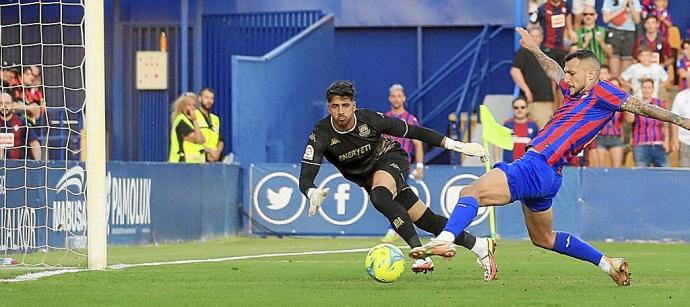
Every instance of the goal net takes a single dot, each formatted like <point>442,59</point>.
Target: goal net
<point>43,52</point>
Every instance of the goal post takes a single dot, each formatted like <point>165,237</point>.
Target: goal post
<point>94,125</point>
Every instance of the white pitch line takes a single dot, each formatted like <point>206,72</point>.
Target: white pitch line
<point>38,275</point>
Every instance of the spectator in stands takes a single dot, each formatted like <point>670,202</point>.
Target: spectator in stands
<point>610,139</point>
<point>15,135</point>
<point>524,129</point>
<point>680,138</point>
<point>533,82</point>
<point>396,97</point>
<point>684,65</point>
<point>38,76</point>
<point>621,17</point>
<point>660,10</point>
<point>9,77</point>
<point>31,95</point>
<point>592,37</point>
<point>661,50</point>
<point>644,69</point>
<point>651,137</point>
<point>209,125</point>
<point>186,139</point>
<point>578,11</point>
<point>556,22</point>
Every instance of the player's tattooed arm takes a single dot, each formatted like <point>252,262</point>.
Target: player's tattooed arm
<point>637,106</point>
<point>550,67</point>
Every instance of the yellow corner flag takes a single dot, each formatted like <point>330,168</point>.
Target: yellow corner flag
<point>494,132</point>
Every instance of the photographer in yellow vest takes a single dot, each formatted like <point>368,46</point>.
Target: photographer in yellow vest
<point>209,124</point>
<point>186,139</point>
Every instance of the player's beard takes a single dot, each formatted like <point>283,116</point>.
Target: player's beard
<point>343,123</point>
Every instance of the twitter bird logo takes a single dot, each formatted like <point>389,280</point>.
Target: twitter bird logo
<point>279,200</point>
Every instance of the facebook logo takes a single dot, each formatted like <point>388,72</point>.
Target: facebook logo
<point>342,195</point>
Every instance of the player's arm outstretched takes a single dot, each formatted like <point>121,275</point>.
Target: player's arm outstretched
<point>311,163</point>
<point>399,128</point>
<point>550,67</point>
<point>637,106</point>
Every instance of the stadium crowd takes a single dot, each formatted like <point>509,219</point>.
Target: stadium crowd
<point>23,109</point>
<point>641,50</point>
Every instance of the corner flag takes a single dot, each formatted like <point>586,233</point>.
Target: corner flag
<point>500,136</point>
<point>493,132</point>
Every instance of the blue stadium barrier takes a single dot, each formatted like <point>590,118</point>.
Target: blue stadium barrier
<point>146,202</point>
<point>279,96</point>
<point>596,204</point>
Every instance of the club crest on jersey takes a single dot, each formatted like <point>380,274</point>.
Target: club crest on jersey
<point>334,141</point>
<point>312,137</point>
<point>364,130</point>
<point>308,153</point>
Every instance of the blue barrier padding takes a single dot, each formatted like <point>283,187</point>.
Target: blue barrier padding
<point>596,204</point>
<point>646,204</point>
<point>44,203</point>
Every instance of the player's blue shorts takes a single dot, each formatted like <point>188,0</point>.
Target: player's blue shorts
<point>532,181</point>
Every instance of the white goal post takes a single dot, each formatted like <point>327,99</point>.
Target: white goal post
<point>94,125</point>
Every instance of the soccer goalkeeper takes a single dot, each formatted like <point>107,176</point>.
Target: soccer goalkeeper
<point>352,139</point>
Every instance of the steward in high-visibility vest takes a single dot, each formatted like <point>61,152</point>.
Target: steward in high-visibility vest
<point>183,148</point>
<point>209,125</point>
<point>210,128</point>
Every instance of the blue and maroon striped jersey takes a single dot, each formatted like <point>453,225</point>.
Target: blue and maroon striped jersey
<point>406,144</point>
<point>649,130</point>
<point>553,24</point>
<point>613,127</point>
<point>577,122</point>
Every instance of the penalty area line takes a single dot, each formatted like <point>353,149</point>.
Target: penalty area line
<point>39,275</point>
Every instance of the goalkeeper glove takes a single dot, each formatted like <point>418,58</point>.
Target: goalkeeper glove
<point>316,198</point>
<point>470,149</point>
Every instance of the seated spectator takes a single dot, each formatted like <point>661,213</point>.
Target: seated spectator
<point>592,37</point>
<point>684,65</point>
<point>621,17</point>
<point>186,139</point>
<point>644,69</point>
<point>650,137</point>
<point>524,130</point>
<point>15,134</point>
<point>610,140</point>
<point>661,51</point>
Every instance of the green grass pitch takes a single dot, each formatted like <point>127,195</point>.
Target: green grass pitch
<point>527,275</point>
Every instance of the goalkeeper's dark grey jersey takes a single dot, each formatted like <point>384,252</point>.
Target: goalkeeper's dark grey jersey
<point>355,152</point>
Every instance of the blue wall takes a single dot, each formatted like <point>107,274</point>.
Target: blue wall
<point>278,97</point>
<point>384,13</point>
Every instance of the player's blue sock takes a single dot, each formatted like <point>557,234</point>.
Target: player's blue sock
<point>572,246</point>
<point>462,215</point>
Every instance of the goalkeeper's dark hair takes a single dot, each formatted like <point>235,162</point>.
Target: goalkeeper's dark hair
<point>340,88</point>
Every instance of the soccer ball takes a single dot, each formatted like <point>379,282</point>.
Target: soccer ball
<point>385,263</point>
